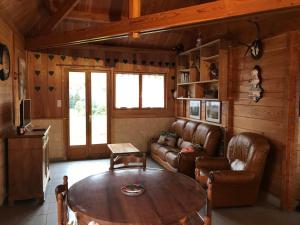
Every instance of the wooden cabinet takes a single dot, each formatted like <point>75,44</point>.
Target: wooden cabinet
<point>202,75</point>
<point>28,165</point>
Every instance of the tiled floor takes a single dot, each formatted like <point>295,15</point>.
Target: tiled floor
<point>32,213</point>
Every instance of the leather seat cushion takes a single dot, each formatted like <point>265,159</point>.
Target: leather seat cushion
<point>162,151</point>
<point>155,147</point>
<point>172,159</point>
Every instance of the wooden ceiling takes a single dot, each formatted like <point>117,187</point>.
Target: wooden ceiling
<point>30,17</point>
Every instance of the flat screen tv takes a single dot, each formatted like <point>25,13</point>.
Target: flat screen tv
<point>25,112</point>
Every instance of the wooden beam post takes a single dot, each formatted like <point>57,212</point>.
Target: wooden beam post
<point>202,13</point>
<point>59,15</point>
<point>134,12</point>
<point>289,155</point>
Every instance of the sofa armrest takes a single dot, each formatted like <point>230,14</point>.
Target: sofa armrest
<point>231,177</point>
<point>212,163</point>
<point>189,155</point>
<point>186,162</point>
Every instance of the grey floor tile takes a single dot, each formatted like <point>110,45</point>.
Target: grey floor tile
<point>32,213</point>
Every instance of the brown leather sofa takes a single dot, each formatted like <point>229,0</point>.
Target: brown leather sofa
<point>235,179</point>
<point>189,133</point>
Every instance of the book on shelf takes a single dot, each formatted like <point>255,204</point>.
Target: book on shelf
<point>184,77</point>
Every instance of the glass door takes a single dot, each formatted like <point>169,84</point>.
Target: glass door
<point>87,114</point>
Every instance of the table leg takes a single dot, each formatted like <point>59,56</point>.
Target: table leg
<point>111,161</point>
<point>144,161</point>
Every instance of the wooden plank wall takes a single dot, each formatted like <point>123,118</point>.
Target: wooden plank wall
<point>45,110</point>
<point>269,116</point>
<point>8,94</point>
<point>47,70</point>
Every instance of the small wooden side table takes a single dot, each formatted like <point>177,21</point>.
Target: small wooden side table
<point>125,153</point>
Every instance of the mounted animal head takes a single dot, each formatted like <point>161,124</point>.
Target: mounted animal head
<point>256,47</point>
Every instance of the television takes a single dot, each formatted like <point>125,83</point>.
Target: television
<point>25,112</point>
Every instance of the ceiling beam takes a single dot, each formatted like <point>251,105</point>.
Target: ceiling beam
<point>59,15</point>
<point>202,13</point>
<point>134,12</point>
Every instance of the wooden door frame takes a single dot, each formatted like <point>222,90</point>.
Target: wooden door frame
<point>88,70</point>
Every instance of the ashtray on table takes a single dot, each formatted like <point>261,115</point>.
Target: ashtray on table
<point>132,189</point>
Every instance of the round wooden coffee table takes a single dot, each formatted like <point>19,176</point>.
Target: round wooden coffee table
<point>168,198</point>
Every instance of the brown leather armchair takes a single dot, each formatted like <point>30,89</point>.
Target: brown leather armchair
<point>235,179</point>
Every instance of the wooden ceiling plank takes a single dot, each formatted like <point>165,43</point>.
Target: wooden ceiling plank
<point>202,13</point>
<point>134,12</point>
<point>89,17</point>
<point>59,15</point>
<point>50,6</point>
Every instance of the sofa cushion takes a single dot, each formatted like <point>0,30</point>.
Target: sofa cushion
<point>166,139</point>
<point>155,147</point>
<point>162,151</point>
<point>171,158</point>
<point>189,130</point>
<point>179,142</point>
<point>207,136</point>
<point>185,144</point>
<point>178,126</point>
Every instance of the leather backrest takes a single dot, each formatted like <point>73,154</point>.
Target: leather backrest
<point>188,131</point>
<point>249,152</point>
<point>178,126</point>
<point>208,136</point>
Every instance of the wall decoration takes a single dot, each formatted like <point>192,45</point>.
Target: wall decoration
<point>213,71</point>
<point>255,89</point>
<point>195,109</point>
<point>256,47</point>
<point>37,72</point>
<point>22,78</point>
<point>213,111</point>
<point>4,62</point>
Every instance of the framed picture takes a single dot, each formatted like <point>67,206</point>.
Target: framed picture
<point>213,111</point>
<point>195,109</point>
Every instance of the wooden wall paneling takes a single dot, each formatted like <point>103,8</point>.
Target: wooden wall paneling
<point>266,117</point>
<point>37,73</point>
<point>289,160</point>
<point>54,92</point>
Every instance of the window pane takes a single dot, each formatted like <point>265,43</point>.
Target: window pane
<point>153,93</point>
<point>99,108</point>
<point>77,108</point>
<point>127,91</point>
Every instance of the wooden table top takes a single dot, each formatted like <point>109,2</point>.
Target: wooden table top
<point>168,197</point>
<point>123,148</point>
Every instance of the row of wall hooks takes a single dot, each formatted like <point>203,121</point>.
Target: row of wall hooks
<point>108,60</point>
<point>38,88</point>
<point>37,73</point>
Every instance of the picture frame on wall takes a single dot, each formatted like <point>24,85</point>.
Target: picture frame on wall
<point>213,111</point>
<point>195,109</point>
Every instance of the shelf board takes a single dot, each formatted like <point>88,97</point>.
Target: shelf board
<point>210,43</point>
<point>200,121</point>
<point>190,50</point>
<point>210,58</point>
<point>198,82</point>
<point>198,99</point>
<point>184,70</point>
